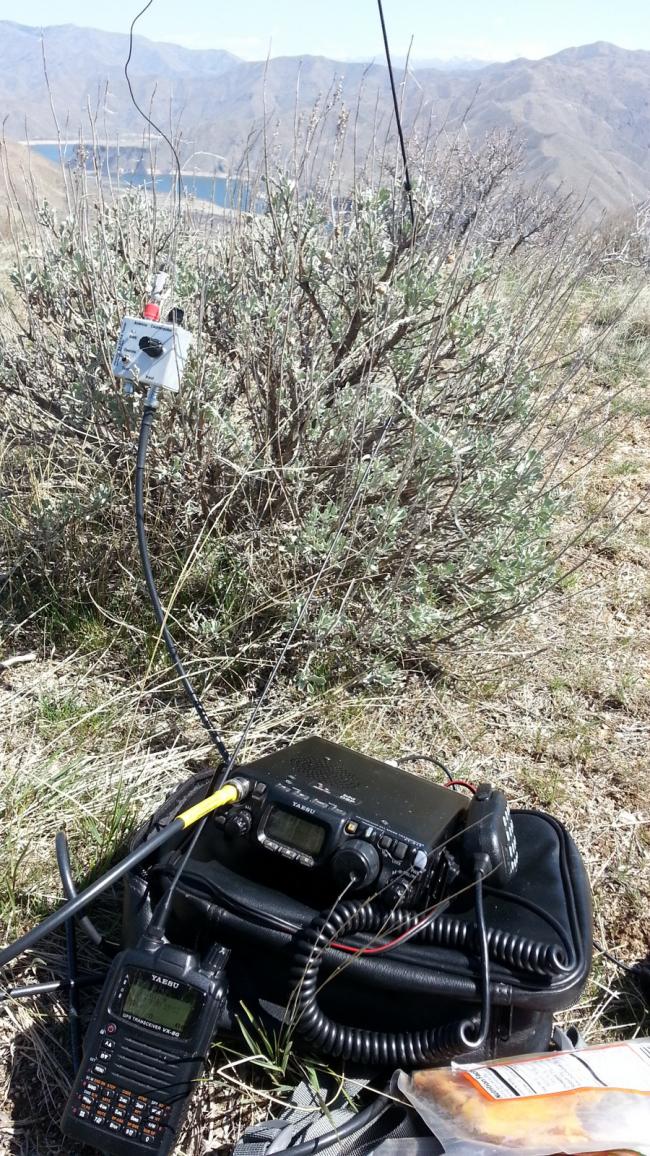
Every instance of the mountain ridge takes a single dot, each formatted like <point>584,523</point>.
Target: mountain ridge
<point>583,112</point>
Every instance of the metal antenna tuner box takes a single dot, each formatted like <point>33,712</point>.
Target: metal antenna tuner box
<point>151,352</point>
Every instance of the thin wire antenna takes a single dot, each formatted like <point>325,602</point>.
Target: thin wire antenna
<point>161,913</point>
<point>154,126</point>
<point>407,180</point>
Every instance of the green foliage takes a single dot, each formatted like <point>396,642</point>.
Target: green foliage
<point>359,428</point>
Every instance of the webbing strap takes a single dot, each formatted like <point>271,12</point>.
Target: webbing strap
<point>317,1110</point>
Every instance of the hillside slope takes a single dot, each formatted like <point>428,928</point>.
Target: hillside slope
<point>24,177</point>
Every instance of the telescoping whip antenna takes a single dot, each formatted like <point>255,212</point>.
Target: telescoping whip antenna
<point>408,188</point>
<point>163,911</point>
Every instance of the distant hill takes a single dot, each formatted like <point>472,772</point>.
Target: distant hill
<point>451,64</point>
<point>584,112</point>
<point>21,174</point>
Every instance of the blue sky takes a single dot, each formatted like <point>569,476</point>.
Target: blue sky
<point>348,29</point>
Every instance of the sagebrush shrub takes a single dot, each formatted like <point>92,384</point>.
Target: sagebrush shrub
<point>365,398</point>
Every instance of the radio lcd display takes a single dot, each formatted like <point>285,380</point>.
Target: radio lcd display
<point>163,1007</point>
<point>295,831</point>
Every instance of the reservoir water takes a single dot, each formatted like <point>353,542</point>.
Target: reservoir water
<point>226,192</point>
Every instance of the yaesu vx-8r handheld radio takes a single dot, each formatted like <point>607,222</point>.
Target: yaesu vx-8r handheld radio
<point>146,1045</point>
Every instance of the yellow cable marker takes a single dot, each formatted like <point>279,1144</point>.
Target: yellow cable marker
<point>230,793</point>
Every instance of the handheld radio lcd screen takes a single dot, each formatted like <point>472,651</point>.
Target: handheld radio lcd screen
<point>295,831</point>
<point>165,1008</point>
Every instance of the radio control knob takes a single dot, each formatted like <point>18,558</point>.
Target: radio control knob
<point>238,825</point>
<point>397,892</point>
<point>356,860</point>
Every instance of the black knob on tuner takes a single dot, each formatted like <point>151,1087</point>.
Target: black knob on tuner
<point>357,860</point>
<point>151,346</point>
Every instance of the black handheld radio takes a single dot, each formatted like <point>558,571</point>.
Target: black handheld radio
<point>145,1046</point>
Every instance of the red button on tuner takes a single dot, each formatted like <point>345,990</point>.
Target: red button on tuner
<point>111,1029</point>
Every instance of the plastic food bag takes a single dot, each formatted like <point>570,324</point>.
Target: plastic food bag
<point>589,1100</point>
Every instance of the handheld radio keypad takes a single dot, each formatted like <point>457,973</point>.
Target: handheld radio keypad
<point>146,1044</point>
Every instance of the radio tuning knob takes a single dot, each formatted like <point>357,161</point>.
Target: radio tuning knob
<point>357,860</point>
<point>238,825</point>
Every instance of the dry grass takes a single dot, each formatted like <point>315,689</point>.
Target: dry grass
<point>555,709</point>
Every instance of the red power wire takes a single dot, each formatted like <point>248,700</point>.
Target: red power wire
<point>411,931</point>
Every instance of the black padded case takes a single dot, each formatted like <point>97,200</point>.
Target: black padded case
<point>412,987</point>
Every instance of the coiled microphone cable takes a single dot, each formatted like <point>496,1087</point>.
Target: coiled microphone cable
<point>350,918</point>
<point>394,1049</point>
